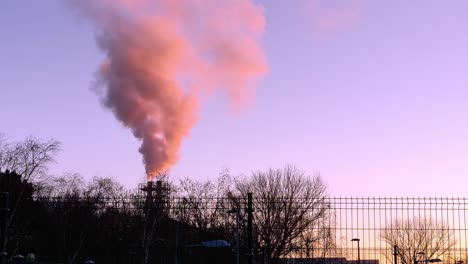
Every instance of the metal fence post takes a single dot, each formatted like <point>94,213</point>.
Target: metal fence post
<point>249,228</point>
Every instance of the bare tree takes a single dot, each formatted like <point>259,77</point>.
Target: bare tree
<point>29,158</point>
<point>287,204</point>
<point>70,184</point>
<point>78,201</point>
<point>418,240</point>
<point>104,188</point>
<point>318,241</point>
<point>204,204</point>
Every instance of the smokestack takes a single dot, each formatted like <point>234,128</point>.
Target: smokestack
<point>157,195</point>
<point>148,189</point>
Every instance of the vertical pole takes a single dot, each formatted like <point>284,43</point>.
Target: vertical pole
<point>358,253</point>
<point>4,219</point>
<point>249,228</point>
<point>395,254</point>
<point>177,244</point>
<point>237,237</point>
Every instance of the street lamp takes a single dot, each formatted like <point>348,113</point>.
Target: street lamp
<point>237,212</point>
<point>358,252</point>
<point>436,260</point>
<point>416,258</point>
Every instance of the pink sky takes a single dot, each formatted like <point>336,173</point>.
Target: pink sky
<point>375,100</point>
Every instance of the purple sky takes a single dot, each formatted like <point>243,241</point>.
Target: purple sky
<point>371,94</point>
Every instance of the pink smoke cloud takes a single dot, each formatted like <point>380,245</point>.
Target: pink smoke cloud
<point>162,57</point>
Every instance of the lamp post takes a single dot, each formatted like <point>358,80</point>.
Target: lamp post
<point>237,212</point>
<point>395,254</point>
<point>358,250</point>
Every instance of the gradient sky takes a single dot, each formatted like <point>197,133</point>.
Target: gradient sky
<point>371,94</point>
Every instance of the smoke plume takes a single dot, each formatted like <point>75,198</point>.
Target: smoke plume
<point>162,58</point>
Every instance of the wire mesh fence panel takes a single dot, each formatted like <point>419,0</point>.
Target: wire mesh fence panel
<point>135,228</point>
<point>422,229</point>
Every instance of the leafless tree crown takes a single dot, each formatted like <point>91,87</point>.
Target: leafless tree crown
<point>29,158</point>
<point>418,239</point>
<point>287,203</point>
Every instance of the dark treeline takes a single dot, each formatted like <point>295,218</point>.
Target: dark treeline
<point>76,223</point>
<point>68,220</point>
<point>64,219</point>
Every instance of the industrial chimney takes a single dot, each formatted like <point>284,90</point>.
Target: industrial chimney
<point>157,196</point>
